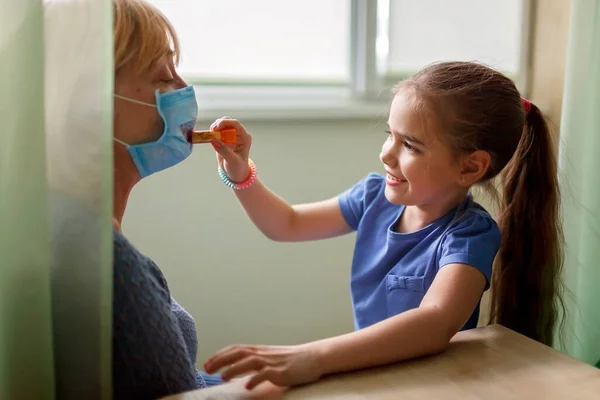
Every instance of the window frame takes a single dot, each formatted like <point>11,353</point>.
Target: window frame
<point>366,95</point>
<point>522,78</point>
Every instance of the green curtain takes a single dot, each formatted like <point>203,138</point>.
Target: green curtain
<point>26,361</point>
<point>56,72</point>
<point>79,67</point>
<point>580,177</point>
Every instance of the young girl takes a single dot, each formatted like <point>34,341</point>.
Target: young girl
<point>424,249</point>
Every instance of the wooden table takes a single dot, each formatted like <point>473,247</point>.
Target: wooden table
<point>485,363</point>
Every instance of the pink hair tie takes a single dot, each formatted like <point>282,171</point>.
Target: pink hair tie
<point>526,105</point>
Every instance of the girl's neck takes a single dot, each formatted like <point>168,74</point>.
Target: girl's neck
<point>417,217</point>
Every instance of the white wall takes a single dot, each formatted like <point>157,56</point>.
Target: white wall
<point>549,55</point>
<point>239,286</point>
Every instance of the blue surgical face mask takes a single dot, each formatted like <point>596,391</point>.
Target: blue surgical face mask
<point>179,111</point>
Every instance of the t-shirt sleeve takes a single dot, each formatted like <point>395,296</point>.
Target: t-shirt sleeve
<point>150,358</point>
<point>354,201</point>
<point>475,242</point>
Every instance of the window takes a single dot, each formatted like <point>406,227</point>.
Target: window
<point>276,58</point>
<point>264,41</point>
<point>435,30</point>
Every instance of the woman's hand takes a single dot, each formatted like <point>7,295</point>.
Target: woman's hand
<point>233,159</point>
<point>281,365</point>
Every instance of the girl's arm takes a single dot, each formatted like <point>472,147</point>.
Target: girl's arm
<point>426,330</point>
<point>281,222</point>
<point>448,304</point>
<point>275,218</point>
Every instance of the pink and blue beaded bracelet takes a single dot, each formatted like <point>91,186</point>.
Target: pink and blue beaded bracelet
<point>241,185</point>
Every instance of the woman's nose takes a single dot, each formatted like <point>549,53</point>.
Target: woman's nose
<point>179,82</point>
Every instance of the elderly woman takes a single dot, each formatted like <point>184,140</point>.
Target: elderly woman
<point>154,338</point>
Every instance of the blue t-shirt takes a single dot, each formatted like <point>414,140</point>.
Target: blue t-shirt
<point>391,271</point>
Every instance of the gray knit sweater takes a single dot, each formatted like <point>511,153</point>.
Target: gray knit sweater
<point>154,338</point>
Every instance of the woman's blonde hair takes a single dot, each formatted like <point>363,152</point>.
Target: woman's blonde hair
<point>142,35</point>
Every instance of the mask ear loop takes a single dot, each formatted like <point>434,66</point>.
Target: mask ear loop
<point>137,102</point>
<point>121,142</point>
<point>134,101</point>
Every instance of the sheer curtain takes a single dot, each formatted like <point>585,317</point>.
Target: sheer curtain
<point>26,364</point>
<point>55,198</point>
<point>580,163</point>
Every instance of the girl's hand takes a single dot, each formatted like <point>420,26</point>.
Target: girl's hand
<point>281,365</point>
<point>233,159</point>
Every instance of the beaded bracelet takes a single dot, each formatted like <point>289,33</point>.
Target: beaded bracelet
<point>242,185</point>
